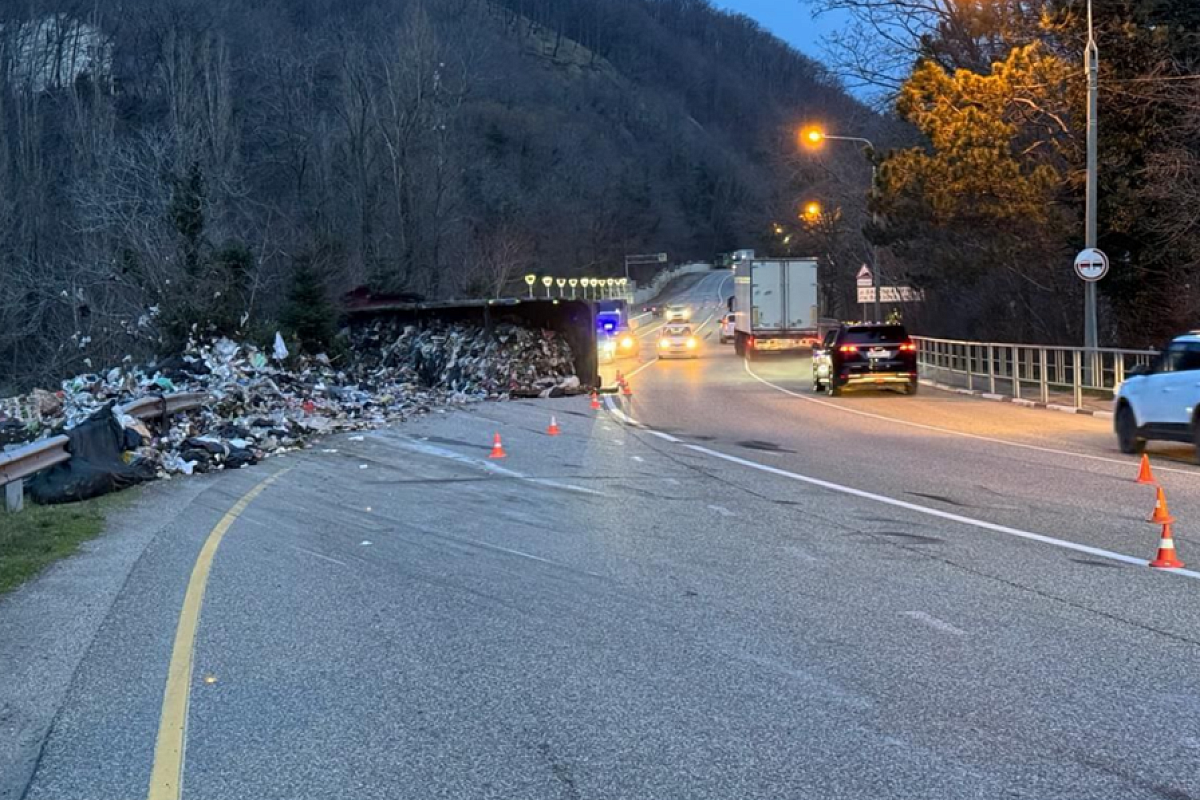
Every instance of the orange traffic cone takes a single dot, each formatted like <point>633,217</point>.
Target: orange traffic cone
<point>620,378</point>
<point>497,449</point>
<point>553,429</point>
<point>1166,551</point>
<point>1161,515</point>
<point>1144,473</point>
<point>595,401</point>
<point>625,390</point>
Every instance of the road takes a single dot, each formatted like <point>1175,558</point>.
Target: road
<point>723,586</point>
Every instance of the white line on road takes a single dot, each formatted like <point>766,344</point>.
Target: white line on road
<point>649,363</point>
<point>933,512</point>
<point>950,431</point>
<point>639,459</point>
<point>431,450</point>
<point>321,556</point>
<point>935,623</point>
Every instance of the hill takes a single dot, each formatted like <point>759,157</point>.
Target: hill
<point>170,167</point>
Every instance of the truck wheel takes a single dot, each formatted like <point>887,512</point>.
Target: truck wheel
<point>913,387</point>
<point>739,344</point>
<point>832,389</point>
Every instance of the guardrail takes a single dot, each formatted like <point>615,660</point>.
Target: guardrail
<point>1065,375</point>
<point>24,462</point>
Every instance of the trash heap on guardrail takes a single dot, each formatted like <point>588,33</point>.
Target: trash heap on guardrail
<point>266,402</point>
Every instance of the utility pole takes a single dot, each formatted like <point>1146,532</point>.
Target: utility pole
<point>1091,57</point>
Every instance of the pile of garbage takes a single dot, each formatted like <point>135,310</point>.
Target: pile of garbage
<point>260,403</point>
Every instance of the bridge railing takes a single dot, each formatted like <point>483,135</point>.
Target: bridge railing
<point>1050,375</point>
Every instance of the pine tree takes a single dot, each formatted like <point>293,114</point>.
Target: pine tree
<point>309,316</point>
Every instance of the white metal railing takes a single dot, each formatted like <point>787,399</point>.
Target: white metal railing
<point>1068,375</point>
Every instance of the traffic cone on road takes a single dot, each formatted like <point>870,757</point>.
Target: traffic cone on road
<point>1162,514</point>
<point>497,448</point>
<point>595,401</point>
<point>625,390</point>
<point>1166,551</point>
<point>1144,473</point>
<point>620,378</point>
<point>553,429</point>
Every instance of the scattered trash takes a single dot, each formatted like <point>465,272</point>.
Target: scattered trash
<point>262,406</point>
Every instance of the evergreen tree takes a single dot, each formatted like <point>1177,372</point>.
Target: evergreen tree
<point>309,316</point>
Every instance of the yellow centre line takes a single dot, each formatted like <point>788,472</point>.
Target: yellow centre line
<point>166,777</point>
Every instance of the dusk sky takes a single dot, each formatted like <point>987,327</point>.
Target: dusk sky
<point>790,20</point>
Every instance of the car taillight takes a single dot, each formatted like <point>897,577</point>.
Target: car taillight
<point>908,348</point>
<point>848,348</point>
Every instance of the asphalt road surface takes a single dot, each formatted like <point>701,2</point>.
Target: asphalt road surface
<point>721,587</point>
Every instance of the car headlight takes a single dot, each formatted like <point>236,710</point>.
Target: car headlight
<point>627,342</point>
<point>663,343</point>
<point>691,343</point>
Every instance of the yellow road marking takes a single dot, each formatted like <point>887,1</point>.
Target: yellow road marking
<point>166,777</point>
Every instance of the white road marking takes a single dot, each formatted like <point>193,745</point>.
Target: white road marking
<point>952,432</point>
<point>321,556</point>
<point>935,623</point>
<point>722,510</point>
<point>521,554</point>
<point>639,459</point>
<point>650,363</point>
<point>489,466</point>
<point>933,512</point>
<point>661,435</point>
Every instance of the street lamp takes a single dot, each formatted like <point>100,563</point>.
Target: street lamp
<point>585,282</point>
<point>573,282</point>
<point>547,282</point>
<point>611,282</point>
<point>812,210</point>
<point>813,137</point>
<point>560,282</point>
<point>530,280</point>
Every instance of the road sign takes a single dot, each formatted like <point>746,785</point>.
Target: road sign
<point>1091,264</point>
<point>890,294</point>
<point>864,277</point>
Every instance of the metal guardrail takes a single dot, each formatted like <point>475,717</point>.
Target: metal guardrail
<point>27,461</point>
<point>1069,375</point>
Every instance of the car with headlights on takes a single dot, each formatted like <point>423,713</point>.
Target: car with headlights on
<point>677,312</point>
<point>678,341</point>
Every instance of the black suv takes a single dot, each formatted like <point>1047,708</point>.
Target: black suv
<point>879,355</point>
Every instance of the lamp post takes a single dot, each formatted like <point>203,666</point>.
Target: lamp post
<point>560,282</point>
<point>611,283</point>
<point>573,282</point>
<point>547,282</point>
<point>813,138</point>
<point>530,280</point>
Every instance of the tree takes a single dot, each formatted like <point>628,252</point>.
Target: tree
<point>309,316</point>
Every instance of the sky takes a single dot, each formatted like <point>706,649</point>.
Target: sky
<point>790,20</point>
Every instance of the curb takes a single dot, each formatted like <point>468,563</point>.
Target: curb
<point>1017,401</point>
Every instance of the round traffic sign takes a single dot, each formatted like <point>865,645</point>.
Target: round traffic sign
<point>1091,264</point>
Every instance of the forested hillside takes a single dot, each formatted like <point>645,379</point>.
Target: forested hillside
<point>168,164</point>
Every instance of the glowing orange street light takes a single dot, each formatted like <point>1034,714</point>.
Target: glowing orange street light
<point>812,136</point>
<point>812,210</point>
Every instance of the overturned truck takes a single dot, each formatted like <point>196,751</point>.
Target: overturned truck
<point>532,347</point>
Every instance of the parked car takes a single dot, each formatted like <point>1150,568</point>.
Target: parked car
<point>875,355</point>
<point>1161,400</point>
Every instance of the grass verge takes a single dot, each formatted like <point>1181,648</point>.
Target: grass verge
<point>40,535</point>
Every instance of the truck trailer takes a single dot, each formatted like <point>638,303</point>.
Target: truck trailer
<point>775,306</point>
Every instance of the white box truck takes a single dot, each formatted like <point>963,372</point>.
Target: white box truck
<point>775,305</point>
